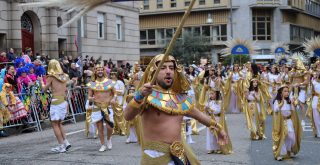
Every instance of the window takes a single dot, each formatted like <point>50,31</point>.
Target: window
<point>156,36</point>
<point>173,3</point>
<point>202,2</point>
<point>261,25</point>
<point>148,37</point>
<point>146,4</point>
<point>119,28</point>
<point>159,4</point>
<point>214,33</point>
<point>299,34</point>
<point>100,25</point>
<point>160,37</point>
<point>216,1</point>
<point>151,37</point>
<point>186,2</point>
<point>143,37</point>
<point>59,21</point>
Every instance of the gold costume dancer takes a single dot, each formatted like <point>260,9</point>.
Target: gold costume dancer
<point>214,108</point>
<point>286,128</point>
<point>119,122</point>
<point>299,78</point>
<point>254,111</point>
<point>162,113</point>
<point>101,94</point>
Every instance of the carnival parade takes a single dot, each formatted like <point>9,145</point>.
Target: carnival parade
<point>175,107</point>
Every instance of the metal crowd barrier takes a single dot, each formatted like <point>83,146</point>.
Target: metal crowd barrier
<point>76,98</point>
<point>22,116</point>
<point>38,108</point>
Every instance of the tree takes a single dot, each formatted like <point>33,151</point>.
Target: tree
<point>238,59</point>
<point>191,48</point>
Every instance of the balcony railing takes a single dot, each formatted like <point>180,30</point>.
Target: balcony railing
<point>268,2</point>
<point>160,43</point>
<point>299,4</point>
<point>312,7</point>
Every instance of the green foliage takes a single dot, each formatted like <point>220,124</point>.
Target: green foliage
<point>238,59</point>
<point>191,48</point>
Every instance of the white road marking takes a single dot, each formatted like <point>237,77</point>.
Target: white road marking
<point>71,133</point>
<point>202,128</point>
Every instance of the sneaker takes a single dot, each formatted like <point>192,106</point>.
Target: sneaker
<point>210,152</point>
<point>67,145</point>
<point>109,144</point>
<point>292,155</point>
<point>279,158</point>
<point>102,148</point>
<point>59,149</point>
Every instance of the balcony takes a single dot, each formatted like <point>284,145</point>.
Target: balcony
<point>294,6</point>
<point>312,7</point>
<point>265,4</point>
<point>158,44</point>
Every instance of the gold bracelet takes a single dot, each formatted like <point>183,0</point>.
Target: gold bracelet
<point>215,125</point>
<point>134,104</point>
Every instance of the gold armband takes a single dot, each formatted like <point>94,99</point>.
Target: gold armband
<point>215,126</point>
<point>134,104</point>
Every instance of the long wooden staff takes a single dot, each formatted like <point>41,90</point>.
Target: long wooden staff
<point>173,40</point>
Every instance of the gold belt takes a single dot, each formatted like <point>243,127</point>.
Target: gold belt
<point>58,100</point>
<point>287,118</point>
<point>175,149</point>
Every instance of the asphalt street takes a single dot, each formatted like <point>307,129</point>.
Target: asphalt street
<point>34,148</point>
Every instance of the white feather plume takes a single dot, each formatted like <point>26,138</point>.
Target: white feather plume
<point>234,42</point>
<point>312,44</point>
<point>80,6</point>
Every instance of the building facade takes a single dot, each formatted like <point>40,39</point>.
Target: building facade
<point>262,21</point>
<point>110,31</point>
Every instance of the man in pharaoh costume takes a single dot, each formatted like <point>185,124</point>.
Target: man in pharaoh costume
<point>101,95</point>
<point>57,81</point>
<point>162,106</point>
<point>299,82</point>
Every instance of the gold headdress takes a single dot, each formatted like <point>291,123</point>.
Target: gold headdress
<point>180,82</point>
<point>313,46</point>
<point>54,68</point>
<point>298,60</point>
<point>239,46</point>
<point>96,67</point>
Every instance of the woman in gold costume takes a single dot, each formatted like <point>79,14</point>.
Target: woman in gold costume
<point>232,90</point>
<point>286,131</point>
<point>255,114</point>
<point>214,108</point>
